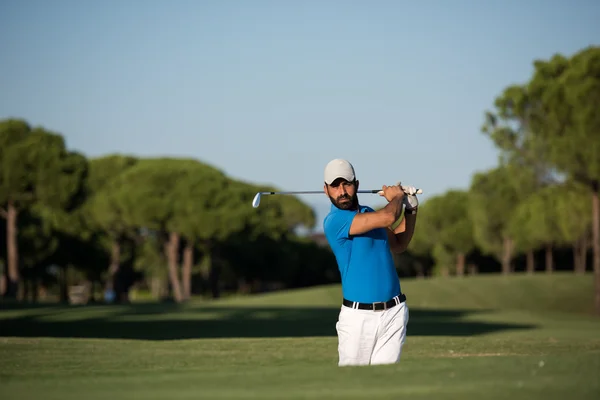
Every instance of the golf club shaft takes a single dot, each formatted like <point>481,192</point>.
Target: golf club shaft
<point>256,200</point>
<point>419,191</point>
<point>314,192</point>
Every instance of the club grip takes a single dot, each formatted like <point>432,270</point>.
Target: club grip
<point>419,191</point>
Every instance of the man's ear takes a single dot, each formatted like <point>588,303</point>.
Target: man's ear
<point>357,184</point>
<point>325,190</point>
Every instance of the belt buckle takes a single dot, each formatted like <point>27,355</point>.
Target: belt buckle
<point>379,302</point>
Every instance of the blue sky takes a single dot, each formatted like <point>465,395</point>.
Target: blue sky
<point>389,85</point>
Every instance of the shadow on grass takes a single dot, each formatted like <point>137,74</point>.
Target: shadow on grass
<point>172,322</point>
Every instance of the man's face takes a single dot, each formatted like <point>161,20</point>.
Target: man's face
<point>343,194</point>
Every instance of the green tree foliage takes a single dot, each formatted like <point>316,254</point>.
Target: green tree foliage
<point>102,217</point>
<point>211,209</point>
<point>419,257</point>
<point>564,98</point>
<point>510,129</point>
<point>535,223</point>
<point>523,227</point>
<point>493,196</point>
<point>187,228</point>
<point>457,234</point>
<point>445,231</point>
<point>550,125</point>
<point>574,218</point>
<point>37,170</point>
<point>37,243</point>
<point>151,261</point>
<point>144,197</point>
<point>152,206</point>
<point>187,202</point>
<point>105,169</point>
<point>207,210</point>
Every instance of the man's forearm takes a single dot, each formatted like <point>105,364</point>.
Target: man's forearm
<point>404,231</point>
<point>394,207</point>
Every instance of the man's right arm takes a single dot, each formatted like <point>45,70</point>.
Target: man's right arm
<point>383,218</point>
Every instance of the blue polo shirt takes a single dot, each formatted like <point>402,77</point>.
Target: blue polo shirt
<point>365,261</point>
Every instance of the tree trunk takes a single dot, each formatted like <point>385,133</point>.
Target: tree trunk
<point>596,242</point>
<point>12,251</point>
<point>172,250</point>
<point>530,262</point>
<point>583,253</point>
<point>549,259</point>
<point>460,264</point>
<point>188,261</point>
<point>506,256</point>
<point>115,262</point>
<point>580,254</point>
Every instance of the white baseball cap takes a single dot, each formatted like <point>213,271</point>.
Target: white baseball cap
<point>339,168</point>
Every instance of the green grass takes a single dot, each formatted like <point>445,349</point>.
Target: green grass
<point>489,337</point>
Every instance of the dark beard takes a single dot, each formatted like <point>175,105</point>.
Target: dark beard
<point>343,204</point>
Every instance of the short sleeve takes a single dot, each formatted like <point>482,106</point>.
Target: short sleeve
<point>337,225</point>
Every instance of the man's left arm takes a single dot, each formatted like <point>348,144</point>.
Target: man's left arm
<point>400,237</point>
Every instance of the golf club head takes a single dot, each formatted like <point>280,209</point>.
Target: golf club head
<point>256,200</point>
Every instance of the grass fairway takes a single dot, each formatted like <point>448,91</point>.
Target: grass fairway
<point>485,337</point>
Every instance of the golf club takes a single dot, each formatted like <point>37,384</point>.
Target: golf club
<point>256,200</point>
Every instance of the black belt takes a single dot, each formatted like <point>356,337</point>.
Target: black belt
<point>383,305</point>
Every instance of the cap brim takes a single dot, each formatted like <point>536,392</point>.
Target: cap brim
<point>348,179</point>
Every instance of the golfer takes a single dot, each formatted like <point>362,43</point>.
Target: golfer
<point>372,321</point>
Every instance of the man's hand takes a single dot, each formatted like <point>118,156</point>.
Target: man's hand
<point>410,200</point>
<point>392,192</point>
<point>400,236</point>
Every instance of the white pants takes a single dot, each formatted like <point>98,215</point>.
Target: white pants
<point>371,337</point>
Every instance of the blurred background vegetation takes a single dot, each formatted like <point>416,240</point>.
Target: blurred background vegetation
<point>121,227</point>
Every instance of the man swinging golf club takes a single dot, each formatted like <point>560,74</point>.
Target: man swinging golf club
<point>373,317</point>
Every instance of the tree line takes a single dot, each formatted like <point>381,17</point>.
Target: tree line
<point>543,196</point>
<point>181,227</point>
<point>177,225</point>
